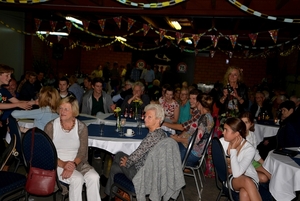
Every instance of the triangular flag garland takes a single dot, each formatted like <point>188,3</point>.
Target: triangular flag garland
<point>233,39</point>
<point>37,23</point>
<point>53,25</point>
<point>86,24</point>
<point>168,44</point>
<point>59,38</point>
<point>215,40</point>
<point>253,37</point>
<point>273,34</point>
<point>246,52</point>
<point>69,26</point>
<point>162,33</point>
<point>179,37</point>
<point>196,52</point>
<point>230,54</point>
<point>196,38</point>
<point>156,41</point>
<point>118,21</point>
<point>130,23</point>
<point>182,48</point>
<point>97,46</point>
<point>146,28</point>
<point>101,23</point>
<point>212,53</point>
<point>140,45</point>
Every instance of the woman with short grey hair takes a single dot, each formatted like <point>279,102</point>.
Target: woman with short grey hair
<point>159,111</point>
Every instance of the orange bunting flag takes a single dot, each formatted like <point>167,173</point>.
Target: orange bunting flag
<point>59,38</point>
<point>273,34</point>
<point>196,38</point>
<point>182,48</point>
<point>212,53</point>
<point>101,23</point>
<point>196,52</point>
<point>69,26</point>
<point>122,47</point>
<point>86,24</point>
<point>246,52</point>
<point>233,39</point>
<point>118,21</point>
<point>162,33</point>
<point>253,37</point>
<point>179,37</point>
<point>214,40</point>
<point>37,23</point>
<point>168,44</point>
<point>230,54</point>
<point>140,45</point>
<point>97,46</point>
<point>53,25</point>
<point>130,23</point>
<point>146,28</point>
<point>156,41</point>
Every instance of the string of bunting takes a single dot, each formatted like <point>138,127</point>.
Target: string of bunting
<point>262,15</point>
<point>23,1</point>
<point>151,5</point>
<point>141,49</point>
<point>17,30</point>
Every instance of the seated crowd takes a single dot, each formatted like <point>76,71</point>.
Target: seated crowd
<point>55,107</point>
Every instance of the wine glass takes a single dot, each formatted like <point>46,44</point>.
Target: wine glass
<point>123,122</point>
<point>102,123</point>
<point>139,124</point>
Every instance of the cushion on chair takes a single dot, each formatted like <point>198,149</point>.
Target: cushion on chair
<point>123,181</point>
<point>10,181</point>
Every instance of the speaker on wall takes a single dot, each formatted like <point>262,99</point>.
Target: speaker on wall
<point>58,51</point>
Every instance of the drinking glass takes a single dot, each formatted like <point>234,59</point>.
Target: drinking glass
<point>139,124</point>
<point>123,122</point>
<point>102,123</point>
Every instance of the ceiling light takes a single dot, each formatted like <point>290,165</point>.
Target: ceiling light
<point>176,25</point>
<point>53,33</point>
<point>72,19</point>
<point>121,38</point>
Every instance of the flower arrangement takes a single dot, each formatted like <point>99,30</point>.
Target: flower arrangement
<point>137,104</point>
<point>117,113</point>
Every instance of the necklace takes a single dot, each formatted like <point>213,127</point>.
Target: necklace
<point>67,130</point>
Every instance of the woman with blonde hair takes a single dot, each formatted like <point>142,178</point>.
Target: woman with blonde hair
<point>47,101</point>
<point>233,96</point>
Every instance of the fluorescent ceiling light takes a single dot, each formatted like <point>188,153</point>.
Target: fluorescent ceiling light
<point>53,33</point>
<point>121,38</point>
<point>72,19</point>
<point>176,25</point>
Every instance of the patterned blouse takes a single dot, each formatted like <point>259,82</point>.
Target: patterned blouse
<point>169,108</point>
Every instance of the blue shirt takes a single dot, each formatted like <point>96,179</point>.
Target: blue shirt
<point>184,112</point>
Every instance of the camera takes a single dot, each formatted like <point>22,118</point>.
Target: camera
<point>230,89</point>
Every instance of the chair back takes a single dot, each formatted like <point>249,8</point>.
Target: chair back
<point>44,153</point>
<point>10,150</point>
<point>14,129</point>
<point>189,148</point>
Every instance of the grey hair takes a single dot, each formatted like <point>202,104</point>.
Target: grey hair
<point>138,84</point>
<point>159,111</point>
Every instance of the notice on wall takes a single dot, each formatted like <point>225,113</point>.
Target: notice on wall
<point>181,67</point>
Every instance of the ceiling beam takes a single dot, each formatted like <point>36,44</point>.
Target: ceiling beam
<point>280,3</point>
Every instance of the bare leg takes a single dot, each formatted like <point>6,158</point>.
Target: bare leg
<point>264,171</point>
<point>246,183</point>
<point>262,177</point>
<point>243,195</point>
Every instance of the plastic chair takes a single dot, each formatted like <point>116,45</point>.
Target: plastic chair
<point>14,129</point>
<point>221,170</point>
<point>44,154</point>
<point>11,183</point>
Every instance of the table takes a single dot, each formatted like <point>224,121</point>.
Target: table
<point>262,131</point>
<point>111,141</point>
<point>285,178</point>
<point>110,119</point>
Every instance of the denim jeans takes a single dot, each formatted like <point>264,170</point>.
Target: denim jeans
<point>192,159</point>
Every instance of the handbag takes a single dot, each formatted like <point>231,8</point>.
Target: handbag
<point>39,181</point>
<point>123,194</point>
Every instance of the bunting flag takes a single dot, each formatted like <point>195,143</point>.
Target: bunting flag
<point>233,39</point>
<point>253,37</point>
<point>86,24</point>
<point>146,28</point>
<point>101,23</point>
<point>212,53</point>
<point>53,25</point>
<point>70,42</point>
<point>118,21</point>
<point>37,23</point>
<point>196,38</point>
<point>156,41</point>
<point>182,48</point>
<point>59,38</point>
<point>162,33</point>
<point>47,33</point>
<point>130,23</point>
<point>179,37</point>
<point>140,45</point>
<point>122,47</point>
<point>215,40</point>
<point>97,46</point>
<point>246,52</point>
<point>196,52</point>
<point>69,26</point>
<point>273,34</point>
<point>230,54</point>
<point>168,44</point>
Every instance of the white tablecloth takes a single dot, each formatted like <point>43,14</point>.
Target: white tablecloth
<point>285,178</point>
<point>113,122</point>
<point>262,131</point>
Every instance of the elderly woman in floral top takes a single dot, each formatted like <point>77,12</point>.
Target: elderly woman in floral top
<point>130,165</point>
